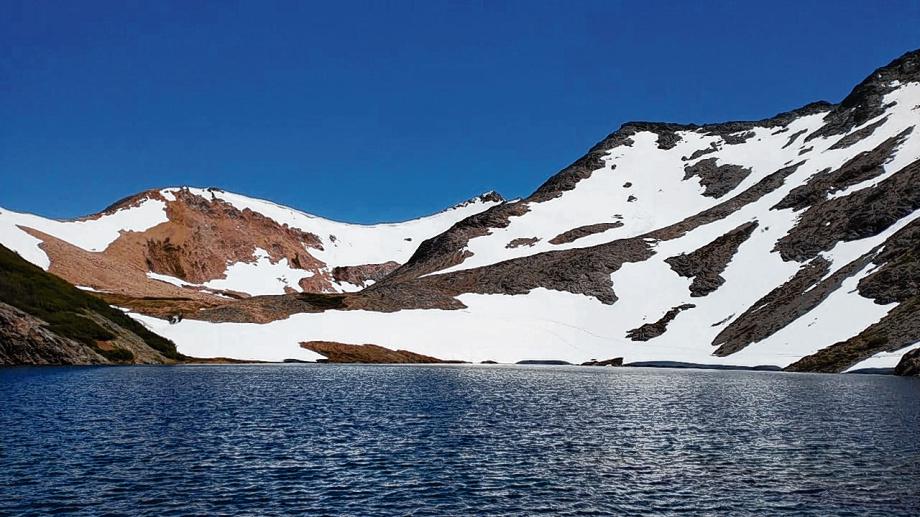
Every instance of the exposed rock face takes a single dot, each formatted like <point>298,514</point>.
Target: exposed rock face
<point>579,271</point>
<point>25,339</point>
<point>522,241</point>
<point>785,304</point>
<point>896,280</point>
<point>717,180</point>
<point>706,264</point>
<point>856,136</point>
<point>909,365</point>
<point>44,320</point>
<point>794,136</point>
<point>199,236</point>
<point>344,353</point>
<point>204,235</point>
<point>724,209</point>
<point>653,330</point>
<point>865,102</point>
<point>583,231</point>
<point>830,189</point>
<point>864,166</point>
<point>701,152</point>
<point>863,213</point>
<point>447,249</point>
<point>361,275</point>
<point>898,277</point>
<point>738,138</point>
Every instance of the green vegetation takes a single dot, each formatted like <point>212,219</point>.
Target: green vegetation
<point>49,298</point>
<point>117,355</point>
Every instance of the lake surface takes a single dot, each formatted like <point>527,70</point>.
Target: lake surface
<point>455,440</point>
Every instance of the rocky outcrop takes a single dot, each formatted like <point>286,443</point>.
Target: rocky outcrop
<point>863,213</point>
<point>896,280</point>
<point>203,236</point>
<point>653,330</point>
<point>448,248</point>
<point>737,138</point>
<point>616,361</point>
<point>857,136</point>
<point>909,364</point>
<point>713,147</point>
<point>705,265</point>
<point>793,137</point>
<point>866,101</point>
<point>839,198</point>
<point>750,195</point>
<point>898,329</point>
<point>45,320</point>
<point>344,353</point>
<point>785,304</point>
<point>862,167</point>
<point>25,339</point>
<point>583,231</point>
<point>522,241</point>
<point>717,180</point>
<point>363,274</point>
<point>579,271</point>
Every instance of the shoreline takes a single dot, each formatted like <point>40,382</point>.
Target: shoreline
<point>656,365</point>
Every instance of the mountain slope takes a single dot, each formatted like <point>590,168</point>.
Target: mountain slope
<point>789,241</point>
<point>209,245</point>
<point>45,320</point>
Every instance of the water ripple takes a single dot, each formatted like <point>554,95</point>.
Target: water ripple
<point>455,440</point>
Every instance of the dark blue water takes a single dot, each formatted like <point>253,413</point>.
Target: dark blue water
<point>456,440</point>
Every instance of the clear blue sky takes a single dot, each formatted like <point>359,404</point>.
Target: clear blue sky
<point>390,110</point>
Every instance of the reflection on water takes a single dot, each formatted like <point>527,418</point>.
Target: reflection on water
<point>455,440</point>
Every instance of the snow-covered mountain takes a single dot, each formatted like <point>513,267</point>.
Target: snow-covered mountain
<point>789,241</point>
<point>208,243</point>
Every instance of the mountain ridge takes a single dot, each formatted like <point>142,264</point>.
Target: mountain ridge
<point>786,241</point>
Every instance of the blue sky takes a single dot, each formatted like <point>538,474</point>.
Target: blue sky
<point>389,110</point>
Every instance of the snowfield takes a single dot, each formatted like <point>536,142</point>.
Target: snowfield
<point>641,186</point>
<point>546,324</point>
<point>347,244</point>
<point>89,234</point>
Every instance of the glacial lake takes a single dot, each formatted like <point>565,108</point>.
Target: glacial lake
<point>455,440</point>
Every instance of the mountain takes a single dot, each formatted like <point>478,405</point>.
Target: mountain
<point>789,241</point>
<point>45,320</point>
<point>210,245</point>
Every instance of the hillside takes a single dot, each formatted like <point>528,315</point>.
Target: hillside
<point>789,241</point>
<point>210,245</point>
<point>45,320</point>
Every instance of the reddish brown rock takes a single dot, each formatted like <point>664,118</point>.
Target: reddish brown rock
<point>345,353</point>
<point>361,275</point>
